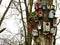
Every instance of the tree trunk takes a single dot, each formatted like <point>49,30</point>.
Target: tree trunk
<point>29,32</point>
<point>23,22</point>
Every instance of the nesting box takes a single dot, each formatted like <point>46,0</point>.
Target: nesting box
<point>40,13</point>
<point>30,27</point>
<point>44,7</point>
<point>53,30</point>
<point>38,6</point>
<point>51,13</point>
<point>35,32</point>
<point>55,21</point>
<point>46,26</point>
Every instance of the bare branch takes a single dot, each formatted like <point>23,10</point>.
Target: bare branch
<point>5,13</point>
<point>0,1</point>
<point>16,6</point>
<point>2,30</point>
<point>31,4</point>
<point>27,12</point>
<point>22,20</point>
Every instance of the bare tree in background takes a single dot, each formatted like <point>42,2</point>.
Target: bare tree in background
<point>2,18</point>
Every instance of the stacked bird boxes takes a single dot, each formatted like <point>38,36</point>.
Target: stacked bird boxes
<point>47,21</point>
<point>44,22</point>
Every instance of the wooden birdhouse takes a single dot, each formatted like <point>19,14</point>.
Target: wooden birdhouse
<point>51,13</point>
<point>40,13</point>
<point>38,6</point>
<point>53,31</point>
<point>46,26</point>
<point>55,21</point>
<point>44,7</point>
<point>35,32</point>
<point>30,27</point>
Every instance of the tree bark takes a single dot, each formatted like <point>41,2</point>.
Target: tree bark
<point>29,32</point>
<point>23,22</point>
